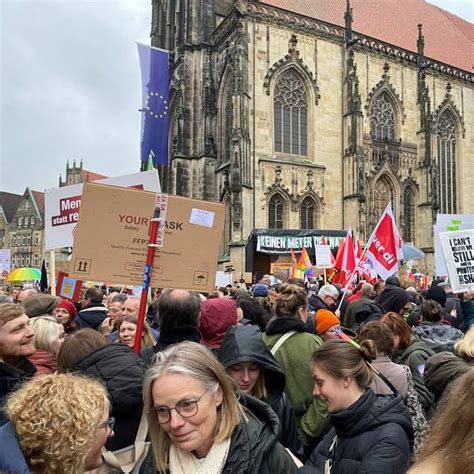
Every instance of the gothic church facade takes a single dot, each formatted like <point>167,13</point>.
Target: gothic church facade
<point>303,120</point>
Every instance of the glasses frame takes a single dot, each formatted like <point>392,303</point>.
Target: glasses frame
<point>154,413</point>
<point>108,424</point>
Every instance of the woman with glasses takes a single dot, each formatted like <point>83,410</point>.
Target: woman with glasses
<point>196,423</point>
<point>290,344</point>
<point>58,424</point>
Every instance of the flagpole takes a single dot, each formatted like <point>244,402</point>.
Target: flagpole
<point>361,255</point>
<point>52,269</point>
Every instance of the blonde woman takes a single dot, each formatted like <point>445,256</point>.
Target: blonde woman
<point>197,424</point>
<point>58,424</point>
<point>448,448</point>
<point>49,336</point>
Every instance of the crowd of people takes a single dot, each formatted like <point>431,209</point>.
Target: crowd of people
<point>263,378</point>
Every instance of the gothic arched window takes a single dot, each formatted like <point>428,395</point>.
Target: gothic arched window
<point>275,212</point>
<point>382,118</point>
<point>409,215</point>
<point>383,194</point>
<point>308,214</point>
<point>227,232</point>
<point>291,114</point>
<point>446,132</point>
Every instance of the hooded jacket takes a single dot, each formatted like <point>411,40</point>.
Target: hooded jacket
<point>217,314</point>
<point>122,371</point>
<point>415,357</point>
<point>293,356</point>
<point>245,344</point>
<point>441,369</point>
<point>10,378</point>
<point>254,447</point>
<point>373,436</point>
<point>438,336</point>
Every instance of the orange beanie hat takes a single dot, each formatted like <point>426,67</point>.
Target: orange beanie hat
<point>325,319</point>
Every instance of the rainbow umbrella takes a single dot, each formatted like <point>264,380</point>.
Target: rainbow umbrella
<point>24,274</point>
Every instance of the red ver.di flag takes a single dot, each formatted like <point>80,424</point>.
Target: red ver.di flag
<point>384,249</point>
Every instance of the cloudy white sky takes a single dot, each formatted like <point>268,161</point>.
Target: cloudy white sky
<point>70,86</point>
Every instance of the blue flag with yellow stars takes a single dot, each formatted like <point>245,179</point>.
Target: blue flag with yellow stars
<point>154,66</point>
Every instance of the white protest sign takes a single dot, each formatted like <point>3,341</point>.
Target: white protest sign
<point>323,255</point>
<point>5,260</point>
<point>448,223</point>
<point>62,205</point>
<point>458,250</point>
<point>223,278</point>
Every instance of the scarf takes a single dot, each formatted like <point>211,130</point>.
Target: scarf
<point>185,463</point>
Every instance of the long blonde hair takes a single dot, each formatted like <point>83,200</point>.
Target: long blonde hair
<point>193,360</point>
<point>465,347</point>
<point>449,444</point>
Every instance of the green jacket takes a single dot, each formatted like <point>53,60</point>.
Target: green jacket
<point>415,357</point>
<point>294,356</point>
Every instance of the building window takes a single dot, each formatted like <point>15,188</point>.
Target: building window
<point>227,235</point>
<point>32,220</point>
<point>275,212</point>
<point>27,261</point>
<point>409,216</point>
<point>227,119</point>
<point>383,194</point>
<point>20,221</point>
<point>28,239</point>
<point>446,132</point>
<point>23,239</point>
<point>382,118</point>
<point>37,239</point>
<point>2,237</point>
<point>291,114</point>
<point>308,214</point>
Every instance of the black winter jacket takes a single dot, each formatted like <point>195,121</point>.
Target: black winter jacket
<point>122,371</point>
<point>254,446</point>
<point>91,317</point>
<point>10,378</point>
<point>245,344</point>
<point>373,436</point>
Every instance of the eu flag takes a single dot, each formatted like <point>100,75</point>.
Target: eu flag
<point>155,104</point>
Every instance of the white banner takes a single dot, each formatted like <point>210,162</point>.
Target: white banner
<point>458,250</point>
<point>323,255</point>
<point>62,206</point>
<point>448,223</point>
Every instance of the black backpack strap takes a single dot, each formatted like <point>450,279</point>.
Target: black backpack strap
<point>387,382</point>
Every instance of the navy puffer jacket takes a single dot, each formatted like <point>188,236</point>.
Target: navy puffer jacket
<point>374,435</point>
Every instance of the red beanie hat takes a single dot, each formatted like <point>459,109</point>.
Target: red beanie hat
<point>69,307</point>
<point>325,320</point>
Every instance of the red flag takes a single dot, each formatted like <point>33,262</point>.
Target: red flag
<point>385,247</point>
<point>334,277</point>
<point>345,260</point>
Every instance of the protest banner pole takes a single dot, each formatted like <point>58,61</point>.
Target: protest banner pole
<point>153,233</point>
<point>52,272</point>
<point>325,277</point>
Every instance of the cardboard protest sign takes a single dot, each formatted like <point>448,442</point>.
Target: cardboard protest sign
<point>323,255</point>
<point>112,234</point>
<point>68,287</point>
<point>448,223</point>
<point>62,206</point>
<point>458,250</point>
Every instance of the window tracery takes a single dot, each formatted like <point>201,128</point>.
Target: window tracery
<point>446,138</point>
<point>382,118</point>
<point>291,114</point>
<point>275,212</point>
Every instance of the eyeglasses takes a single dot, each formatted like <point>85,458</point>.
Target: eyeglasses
<point>185,408</point>
<point>109,425</point>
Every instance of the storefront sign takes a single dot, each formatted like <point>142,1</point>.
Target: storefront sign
<point>282,244</point>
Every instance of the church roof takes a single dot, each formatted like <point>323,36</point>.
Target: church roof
<point>448,38</point>
<point>9,202</point>
<point>90,176</point>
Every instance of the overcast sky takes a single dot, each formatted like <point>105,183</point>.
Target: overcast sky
<point>70,86</point>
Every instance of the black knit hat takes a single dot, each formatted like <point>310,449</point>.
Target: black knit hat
<point>393,298</point>
<point>438,294</point>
